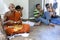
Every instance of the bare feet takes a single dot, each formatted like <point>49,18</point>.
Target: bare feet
<point>37,24</point>
<point>51,24</point>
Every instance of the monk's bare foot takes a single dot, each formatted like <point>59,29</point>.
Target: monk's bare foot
<point>51,24</point>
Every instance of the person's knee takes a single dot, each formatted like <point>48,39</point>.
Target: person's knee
<point>26,28</point>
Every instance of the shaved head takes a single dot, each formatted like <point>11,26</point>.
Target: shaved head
<point>11,7</point>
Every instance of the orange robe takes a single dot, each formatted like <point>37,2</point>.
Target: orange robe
<point>16,16</point>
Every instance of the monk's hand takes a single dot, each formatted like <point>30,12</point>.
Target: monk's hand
<point>18,21</point>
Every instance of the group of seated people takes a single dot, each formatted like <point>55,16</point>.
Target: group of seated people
<point>45,16</point>
<point>13,22</point>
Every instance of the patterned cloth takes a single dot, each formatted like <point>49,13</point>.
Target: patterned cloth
<point>36,12</point>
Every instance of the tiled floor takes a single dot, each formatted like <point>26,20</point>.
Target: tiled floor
<point>42,32</point>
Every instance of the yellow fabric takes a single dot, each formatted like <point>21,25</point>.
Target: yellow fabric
<point>16,27</point>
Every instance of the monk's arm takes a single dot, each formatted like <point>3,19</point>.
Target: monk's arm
<point>5,18</point>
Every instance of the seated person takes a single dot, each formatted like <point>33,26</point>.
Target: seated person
<point>54,6</point>
<point>38,12</point>
<point>18,8</point>
<point>39,15</point>
<point>13,22</point>
<point>49,13</point>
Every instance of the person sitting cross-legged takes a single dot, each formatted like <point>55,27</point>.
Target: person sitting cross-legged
<point>13,22</point>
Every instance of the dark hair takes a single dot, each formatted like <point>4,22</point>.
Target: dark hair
<point>37,5</point>
<point>18,7</point>
<point>47,5</point>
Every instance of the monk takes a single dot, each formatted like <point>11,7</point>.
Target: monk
<point>13,22</point>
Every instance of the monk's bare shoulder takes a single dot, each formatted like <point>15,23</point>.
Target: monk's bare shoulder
<point>7,13</point>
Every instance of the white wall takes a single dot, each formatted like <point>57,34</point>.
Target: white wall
<point>5,3</point>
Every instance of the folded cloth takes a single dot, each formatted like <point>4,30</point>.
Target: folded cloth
<point>29,22</point>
